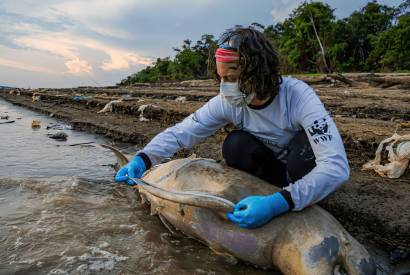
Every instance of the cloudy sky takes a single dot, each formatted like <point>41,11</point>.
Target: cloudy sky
<point>68,43</point>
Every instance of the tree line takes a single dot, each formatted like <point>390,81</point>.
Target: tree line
<point>375,38</point>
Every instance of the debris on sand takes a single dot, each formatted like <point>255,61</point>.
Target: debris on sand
<point>81,97</point>
<point>36,97</point>
<point>36,124</point>
<point>17,92</point>
<point>398,148</point>
<point>180,99</point>
<point>141,110</point>
<point>60,136</point>
<point>109,107</point>
<point>405,124</point>
<point>126,97</point>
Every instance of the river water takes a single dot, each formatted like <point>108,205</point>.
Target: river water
<point>60,212</point>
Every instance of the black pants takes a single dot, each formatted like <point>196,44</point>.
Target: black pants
<point>244,151</point>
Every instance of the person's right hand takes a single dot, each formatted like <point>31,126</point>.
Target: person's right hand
<point>134,169</point>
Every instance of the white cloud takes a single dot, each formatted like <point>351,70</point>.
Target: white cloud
<point>53,38</point>
<point>78,66</point>
<point>68,46</point>
<point>283,9</point>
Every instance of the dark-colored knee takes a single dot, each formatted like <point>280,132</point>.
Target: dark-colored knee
<point>301,159</point>
<point>243,151</point>
<point>237,147</point>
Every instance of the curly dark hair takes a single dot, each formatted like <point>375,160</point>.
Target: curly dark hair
<point>258,62</point>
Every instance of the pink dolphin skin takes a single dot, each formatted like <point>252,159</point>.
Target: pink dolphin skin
<point>311,241</point>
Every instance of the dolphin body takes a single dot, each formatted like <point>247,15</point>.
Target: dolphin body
<point>311,241</point>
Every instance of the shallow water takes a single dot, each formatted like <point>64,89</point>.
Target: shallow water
<point>61,213</point>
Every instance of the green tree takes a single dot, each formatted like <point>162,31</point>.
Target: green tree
<point>363,25</point>
<point>190,62</point>
<point>193,62</point>
<point>297,38</point>
<point>374,38</point>
<point>392,48</point>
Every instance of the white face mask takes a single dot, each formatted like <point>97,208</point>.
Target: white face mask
<point>231,92</point>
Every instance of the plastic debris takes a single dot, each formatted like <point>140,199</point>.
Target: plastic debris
<point>405,124</point>
<point>180,99</point>
<point>398,148</point>
<point>36,97</point>
<point>81,97</point>
<point>17,92</point>
<point>109,107</point>
<point>142,108</point>
<point>36,124</point>
<point>126,97</point>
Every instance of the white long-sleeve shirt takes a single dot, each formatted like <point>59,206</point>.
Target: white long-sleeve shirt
<point>296,107</point>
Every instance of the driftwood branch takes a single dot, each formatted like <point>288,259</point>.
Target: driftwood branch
<point>343,79</point>
<point>389,81</point>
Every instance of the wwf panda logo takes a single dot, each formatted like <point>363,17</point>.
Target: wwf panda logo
<point>319,127</point>
<point>319,131</point>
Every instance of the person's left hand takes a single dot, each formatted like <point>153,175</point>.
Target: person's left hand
<point>134,169</point>
<point>255,211</point>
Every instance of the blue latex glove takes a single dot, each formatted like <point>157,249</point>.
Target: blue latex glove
<point>255,211</point>
<point>134,169</point>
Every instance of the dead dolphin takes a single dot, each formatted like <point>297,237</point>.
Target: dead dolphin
<point>198,199</point>
<point>311,241</point>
